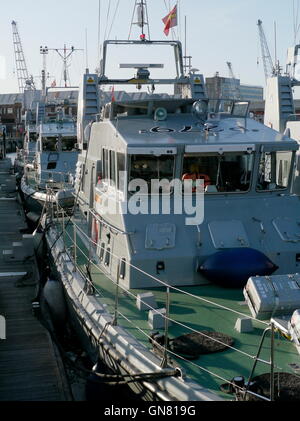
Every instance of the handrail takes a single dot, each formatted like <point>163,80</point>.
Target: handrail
<point>33,182</point>
<point>107,224</point>
<point>162,283</point>
<point>165,349</point>
<point>156,311</point>
<point>269,326</point>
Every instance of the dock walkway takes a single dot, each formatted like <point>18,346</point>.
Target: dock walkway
<point>30,367</point>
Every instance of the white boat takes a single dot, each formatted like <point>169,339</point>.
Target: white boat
<point>159,295</point>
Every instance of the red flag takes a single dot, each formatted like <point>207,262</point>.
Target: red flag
<point>170,21</point>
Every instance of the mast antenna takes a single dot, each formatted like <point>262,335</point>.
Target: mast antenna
<point>44,52</point>
<point>187,59</point>
<point>140,12</point>
<point>65,54</point>
<point>86,49</point>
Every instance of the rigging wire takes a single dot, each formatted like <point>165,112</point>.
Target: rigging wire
<point>131,25</point>
<point>99,35</point>
<point>114,18</point>
<point>86,48</point>
<point>185,326</point>
<point>165,317</point>
<point>162,283</point>
<point>107,20</point>
<point>179,20</point>
<point>56,67</point>
<point>296,20</point>
<point>148,21</point>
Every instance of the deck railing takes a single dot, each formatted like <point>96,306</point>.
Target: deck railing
<point>63,181</point>
<point>76,252</point>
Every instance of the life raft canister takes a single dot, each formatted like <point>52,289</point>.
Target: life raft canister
<point>195,177</point>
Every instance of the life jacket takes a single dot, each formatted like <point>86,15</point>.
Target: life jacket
<point>195,177</point>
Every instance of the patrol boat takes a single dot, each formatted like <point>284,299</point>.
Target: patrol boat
<point>156,289</point>
<point>50,176</point>
<point>280,111</point>
<point>26,155</point>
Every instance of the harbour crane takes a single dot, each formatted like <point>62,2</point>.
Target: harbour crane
<point>25,82</point>
<point>235,91</point>
<point>266,55</point>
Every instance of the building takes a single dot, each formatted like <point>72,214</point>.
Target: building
<point>12,109</point>
<point>258,109</point>
<point>223,87</point>
<point>252,93</point>
<point>11,114</point>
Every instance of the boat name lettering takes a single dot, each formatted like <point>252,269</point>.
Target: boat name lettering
<point>185,129</point>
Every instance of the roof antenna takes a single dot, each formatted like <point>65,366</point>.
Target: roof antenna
<point>275,42</point>
<point>277,64</point>
<point>99,34</point>
<point>296,20</point>
<point>187,59</point>
<point>86,50</point>
<point>142,20</point>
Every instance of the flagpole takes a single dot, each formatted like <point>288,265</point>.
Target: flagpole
<point>173,30</point>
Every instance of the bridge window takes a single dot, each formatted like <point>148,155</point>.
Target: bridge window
<point>68,144</point>
<point>121,168</point>
<point>274,171</point>
<point>112,171</point>
<point>150,168</point>
<point>105,164</point>
<point>230,172</point>
<point>50,144</point>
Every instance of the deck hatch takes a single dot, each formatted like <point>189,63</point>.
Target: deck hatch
<point>288,229</point>
<point>228,234</point>
<point>160,236</point>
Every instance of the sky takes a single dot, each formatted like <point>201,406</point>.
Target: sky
<point>217,31</point>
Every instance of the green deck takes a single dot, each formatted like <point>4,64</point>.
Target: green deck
<point>200,316</point>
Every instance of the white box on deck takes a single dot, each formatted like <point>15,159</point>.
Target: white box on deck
<point>273,296</point>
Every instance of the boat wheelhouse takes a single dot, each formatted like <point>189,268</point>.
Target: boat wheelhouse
<point>154,272</point>
<point>51,176</point>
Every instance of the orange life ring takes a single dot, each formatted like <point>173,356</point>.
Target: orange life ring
<point>197,176</point>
